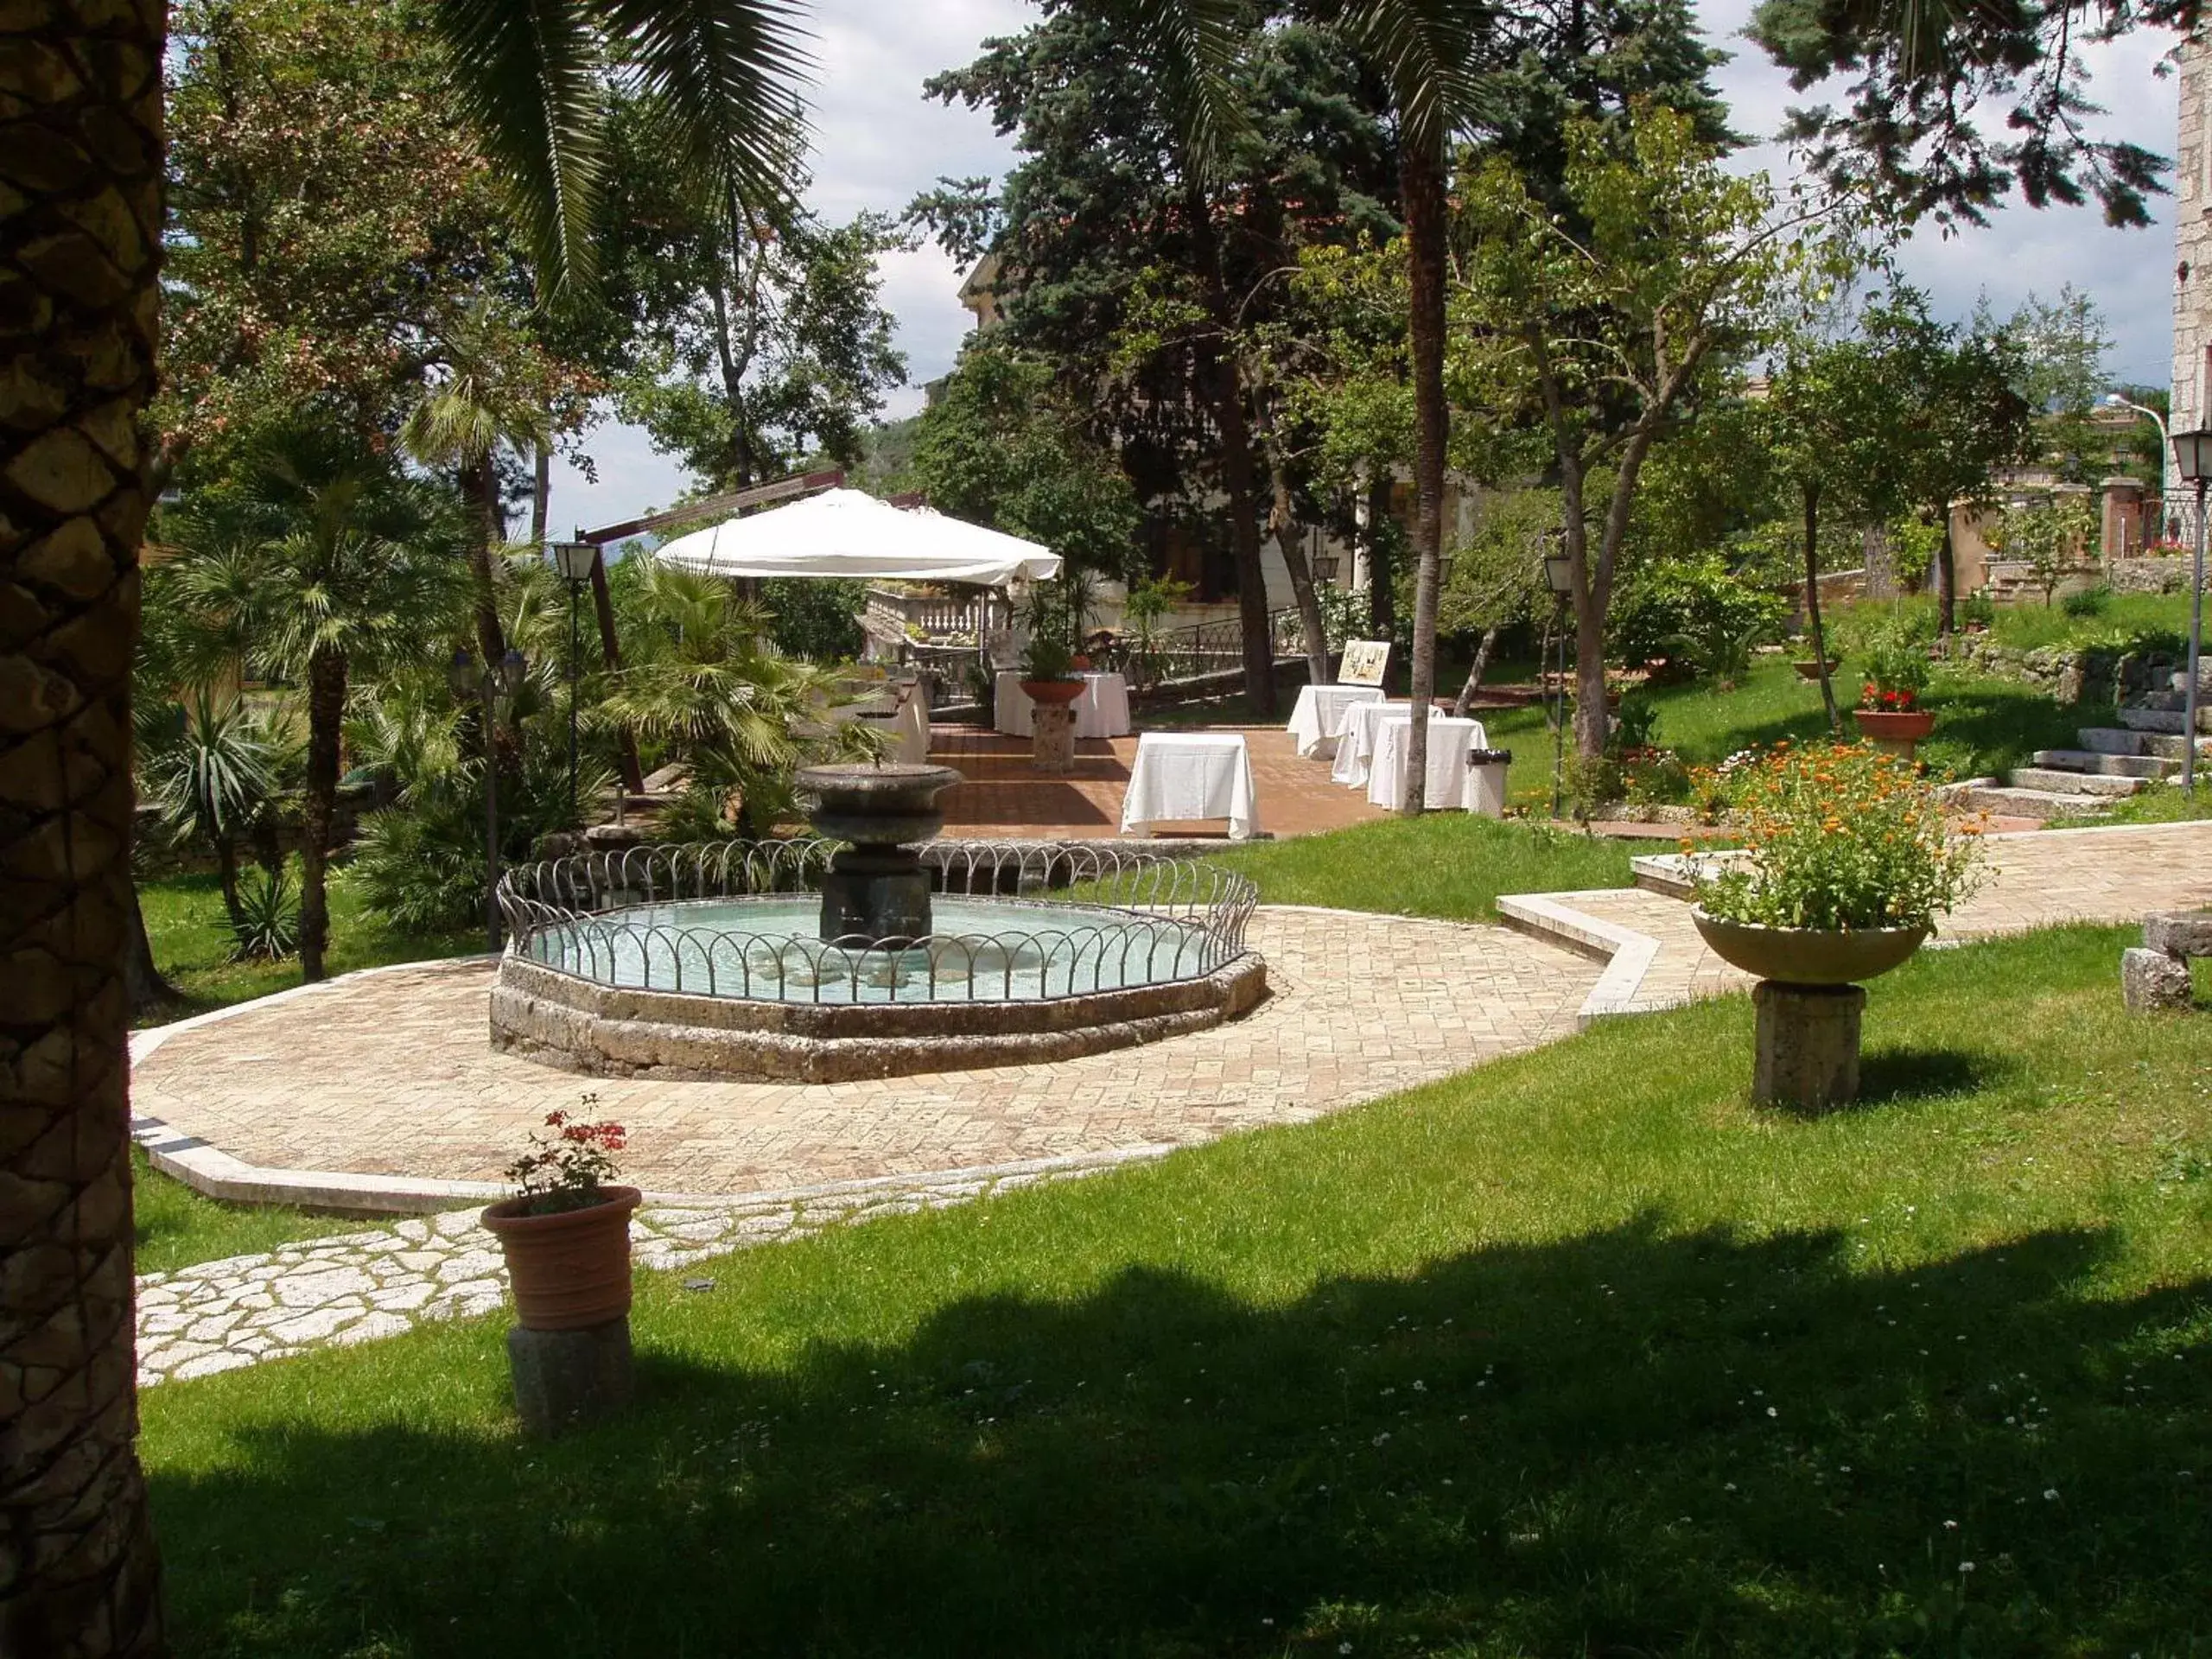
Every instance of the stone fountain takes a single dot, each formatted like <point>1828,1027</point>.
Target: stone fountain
<point>876,890</point>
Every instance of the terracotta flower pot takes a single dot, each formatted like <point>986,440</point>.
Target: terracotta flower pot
<point>1809,956</point>
<point>1053,691</point>
<point>1894,730</point>
<point>1080,663</point>
<point>1811,671</point>
<point>570,1270</point>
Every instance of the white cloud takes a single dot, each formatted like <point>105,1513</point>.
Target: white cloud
<point>877,141</point>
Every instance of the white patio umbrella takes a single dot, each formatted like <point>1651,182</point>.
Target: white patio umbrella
<point>846,533</point>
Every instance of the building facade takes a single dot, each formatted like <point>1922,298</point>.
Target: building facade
<point>2192,365</point>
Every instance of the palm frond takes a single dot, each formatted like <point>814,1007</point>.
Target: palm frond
<point>1430,51</point>
<point>1189,47</point>
<point>528,75</point>
<point>724,75</point>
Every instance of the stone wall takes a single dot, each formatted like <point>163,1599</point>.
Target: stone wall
<point>2072,674</point>
<point>2192,243</point>
<point>2153,575</point>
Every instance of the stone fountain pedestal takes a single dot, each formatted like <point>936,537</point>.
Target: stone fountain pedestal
<point>875,890</point>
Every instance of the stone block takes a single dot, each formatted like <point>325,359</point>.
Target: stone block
<point>2151,982</point>
<point>1807,1052</point>
<point>563,1379</point>
<point>1052,742</point>
<point>2179,933</point>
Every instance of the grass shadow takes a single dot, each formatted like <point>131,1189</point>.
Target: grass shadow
<point>1917,1073</point>
<point>1631,1441</point>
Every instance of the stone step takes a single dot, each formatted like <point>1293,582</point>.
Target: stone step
<point>2106,765</point>
<point>2060,782</point>
<point>2039,803</point>
<point>2109,739</point>
<point>2168,720</point>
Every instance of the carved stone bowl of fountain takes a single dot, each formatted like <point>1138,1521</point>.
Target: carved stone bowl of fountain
<point>875,890</point>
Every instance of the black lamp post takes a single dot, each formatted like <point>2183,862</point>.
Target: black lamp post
<point>574,560</point>
<point>1559,576</point>
<point>466,680</point>
<point>2193,461</point>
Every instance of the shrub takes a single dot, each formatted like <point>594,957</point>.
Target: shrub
<point>1841,837</point>
<point>266,927</point>
<point>1696,609</point>
<point>1654,778</point>
<point>2089,601</point>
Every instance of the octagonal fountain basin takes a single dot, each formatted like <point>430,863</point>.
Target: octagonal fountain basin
<point>713,961</point>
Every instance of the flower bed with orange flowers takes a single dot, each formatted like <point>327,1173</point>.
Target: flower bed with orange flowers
<point>1840,837</point>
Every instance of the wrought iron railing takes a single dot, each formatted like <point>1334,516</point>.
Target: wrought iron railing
<point>1202,648</point>
<point>1131,918</point>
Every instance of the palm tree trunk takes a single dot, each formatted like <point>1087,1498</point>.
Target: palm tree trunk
<point>80,1578</point>
<point>480,488</point>
<point>318,808</point>
<point>1421,184</point>
<point>1223,387</point>
<point>227,876</point>
<point>541,493</point>
<point>1813,603</point>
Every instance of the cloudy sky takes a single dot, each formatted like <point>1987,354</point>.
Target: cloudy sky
<point>877,141</point>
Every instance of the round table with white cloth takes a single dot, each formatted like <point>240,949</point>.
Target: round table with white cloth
<point>1450,741</point>
<point>1102,711</point>
<point>1356,742</point>
<point>1321,711</point>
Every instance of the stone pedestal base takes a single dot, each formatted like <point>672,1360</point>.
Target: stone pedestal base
<point>875,892</point>
<point>566,1378</point>
<point>2150,981</point>
<point>1807,1045</point>
<point>1053,744</point>
<point>1904,747</point>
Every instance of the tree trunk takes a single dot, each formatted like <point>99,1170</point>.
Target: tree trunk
<point>1282,520</point>
<point>148,988</point>
<point>1222,388</point>
<point>1946,583</point>
<point>1467,697</point>
<point>80,1578</point>
<point>479,487</point>
<point>540,494</point>
<point>1812,604</point>
<point>318,808</point>
<point>610,656</point>
<point>226,876</point>
<point>1382,580</point>
<point>1420,174</point>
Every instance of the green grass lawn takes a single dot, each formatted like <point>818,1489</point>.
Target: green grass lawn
<point>177,1228</point>
<point>1575,1353</point>
<point>1445,864</point>
<point>185,924</point>
<point>2034,623</point>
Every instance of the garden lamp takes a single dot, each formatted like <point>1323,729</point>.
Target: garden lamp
<point>2114,400</point>
<point>2193,461</point>
<point>574,560</point>
<point>462,675</point>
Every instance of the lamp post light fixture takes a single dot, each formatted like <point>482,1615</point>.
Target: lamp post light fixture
<point>1559,576</point>
<point>2193,461</point>
<point>2113,400</point>
<point>467,680</point>
<point>573,561</point>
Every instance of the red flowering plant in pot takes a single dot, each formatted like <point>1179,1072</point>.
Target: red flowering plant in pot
<point>1889,711</point>
<point>566,1232</point>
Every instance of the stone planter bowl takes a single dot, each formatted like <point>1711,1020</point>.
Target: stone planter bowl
<point>1811,671</point>
<point>1809,956</point>
<point>1053,692</point>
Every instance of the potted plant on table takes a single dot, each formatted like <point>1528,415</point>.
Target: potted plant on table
<point>1048,673</point>
<point>1848,861</point>
<point>1889,711</point>
<point>566,1232</point>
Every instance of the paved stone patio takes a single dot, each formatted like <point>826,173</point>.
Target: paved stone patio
<point>392,1073</point>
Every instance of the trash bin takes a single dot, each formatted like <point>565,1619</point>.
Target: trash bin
<point>1486,781</point>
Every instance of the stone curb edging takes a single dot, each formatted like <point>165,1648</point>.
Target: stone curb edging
<point>1627,953</point>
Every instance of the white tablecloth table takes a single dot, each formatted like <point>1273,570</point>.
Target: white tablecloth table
<point>1356,741</point>
<point>902,713</point>
<point>1321,713</point>
<point>1182,776</point>
<point>1102,711</point>
<point>1449,740</point>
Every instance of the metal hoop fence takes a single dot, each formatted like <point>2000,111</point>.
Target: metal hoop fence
<point>1132,917</point>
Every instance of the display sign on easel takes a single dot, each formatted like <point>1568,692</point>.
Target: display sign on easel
<point>1363,662</point>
